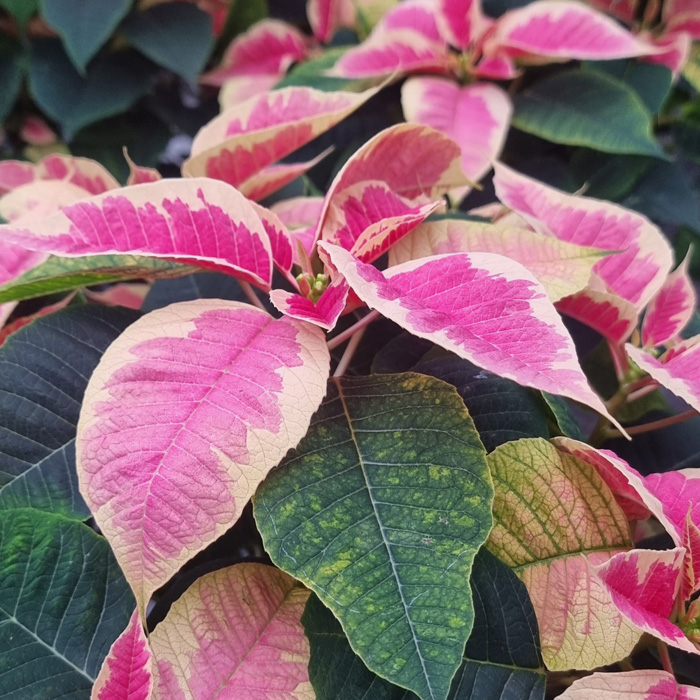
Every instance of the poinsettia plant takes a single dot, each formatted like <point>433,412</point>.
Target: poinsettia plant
<point>267,437</point>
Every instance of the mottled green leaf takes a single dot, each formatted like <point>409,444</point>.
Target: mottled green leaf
<point>64,274</point>
<point>63,601</point>
<point>380,511</point>
<point>501,409</point>
<point>84,26</point>
<point>585,108</point>
<point>111,85</point>
<point>44,369</point>
<point>176,35</point>
<point>501,659</point>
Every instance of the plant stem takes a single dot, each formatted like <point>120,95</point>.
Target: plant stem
<point>665,657</point>
<point>655,425</point>
<point>250,293</point>
<point>348,333</point>
<point>346,359</point>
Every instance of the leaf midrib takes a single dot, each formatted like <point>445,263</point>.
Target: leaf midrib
<point>384,539</point>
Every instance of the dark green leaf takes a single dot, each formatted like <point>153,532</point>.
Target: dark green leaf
<point>686,131</point>
<point>400,354</point>
<point>651,81</point>
<point>242,15</point>
<point>563,416</point>
<point>664,195</point>
<point>84,25</point>
<point>11,75</point>
<point>176,35</point>
<point>380,511</point>
<point>63,601</point>
<point>21,10</point>
<point>606,176</point>
<point>201,285</point>
<point>44,369</point>
<point>584,108</point>
<point>501,659</point>
<point>64,274</point>
<point>501,409</point>
<point>112,84</point>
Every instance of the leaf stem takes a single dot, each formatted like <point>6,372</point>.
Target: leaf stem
<point>349,332</point>
<point>654,425</point>
<point>349,353</point>
<point>665,657</point>
<point>250,293</point>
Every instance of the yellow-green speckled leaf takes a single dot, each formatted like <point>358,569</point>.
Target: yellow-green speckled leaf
<point>381,510</point>
<point>555,518</point>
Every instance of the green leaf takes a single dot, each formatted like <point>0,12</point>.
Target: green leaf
<point>313,74</point>
<point>200,285</point>
<point>501,659</point>
<point>11,75</point>
<point>606,176</point>
<point>585,108</point>
<point>401,354</point>
<point>665,195</point>
<point>83,25</point>
<point>380,511</point>
<point>21,10</point>
<point>691,72</point>
<point>242,15</point>
<point>177,36</point>
<point>686,132</point>
<point>63,601</point>
<point>563,416</point>
<point>651,81</point>
<point>501,409</point>
<point>112,84</point>
<point>64,274</point>
<point>44,369</point>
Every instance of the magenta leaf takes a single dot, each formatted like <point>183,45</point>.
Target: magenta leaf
<point>213,388</point>
<point>324,313</point>
<point>476,117</point>
<point>486,308</point>
<point>632,685</point>
<point>126,671</point>
<point>460,21</point>
<point>643,256</point>
<point>201,222</point>
<point>608,314</point>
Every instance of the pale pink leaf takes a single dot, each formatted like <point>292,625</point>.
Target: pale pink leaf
<point>608,314</point>
<point>670,311</point>
<point>643,585</point>
<point>403,162</point>
<point>476,117</point>
<point>460,21</point>
<point>269,47</point>
<point>39,199</point>
<point>414,15</point>
<point>396,52</point>
<point>483,307</point>
<point>14,173</point>
<point>368,218</point>
<point>553,518</point>
<point>126,671</point>
<point>82,172</point>
<point>566,29</point>
<point>236,634</point>
<point>679,370</point>
<point>241,88</point>
<point>202,222</point>
<point>36,132</point>
<point>298,212</point>
<point>248,137</point>
<point>325,16</point>
<point>324,313</point>
<point>139,174</point>
<point>643,256</point>
<point>216,389</point>
<point>631,685</point>
<point>562,268</point>
<point>627,484</point>
<point>274,177</point>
